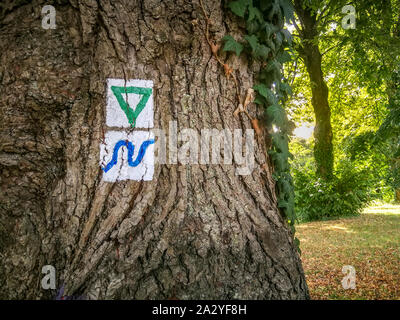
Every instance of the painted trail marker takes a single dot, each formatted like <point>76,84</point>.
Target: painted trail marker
<point>127,156</point>
<point>123,155</point>
<point>129,103</point>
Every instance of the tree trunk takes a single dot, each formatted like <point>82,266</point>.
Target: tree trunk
<point>193,231</point>
<point>397,195</point>
<point>310,53</point>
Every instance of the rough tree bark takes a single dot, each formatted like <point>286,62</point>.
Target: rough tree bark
<point>311,55</point>
<point>193,231</point>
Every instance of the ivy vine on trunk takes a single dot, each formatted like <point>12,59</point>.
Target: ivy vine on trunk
<point>268,43</point>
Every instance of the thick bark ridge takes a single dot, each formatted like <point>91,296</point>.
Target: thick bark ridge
<point>194,231</point>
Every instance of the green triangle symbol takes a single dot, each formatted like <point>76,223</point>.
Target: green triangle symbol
<point>129,112</point>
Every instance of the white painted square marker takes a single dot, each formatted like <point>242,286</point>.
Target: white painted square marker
<point>129,103</point>
<point>127,156</point>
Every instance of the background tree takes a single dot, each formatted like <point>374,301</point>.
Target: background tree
<point>358,66</point>
<point>314,19</point>
<point>193,231</point>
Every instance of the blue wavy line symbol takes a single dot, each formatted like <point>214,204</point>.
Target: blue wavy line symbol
<point>131,149</point>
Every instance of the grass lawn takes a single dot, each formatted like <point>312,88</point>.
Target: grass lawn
<point>369,242</point>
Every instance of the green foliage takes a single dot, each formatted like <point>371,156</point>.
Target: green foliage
<point>268,42</point>
<point>359,67</point>
<point>389,132</point>
<point>266,93</point>
<point>360,176</point>
<point>239,7</point>
<point>345,194</point>
<point>232,45</point>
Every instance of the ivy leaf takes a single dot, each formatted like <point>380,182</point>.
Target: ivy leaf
<point>283,204</point>
<point>278,40</point>
<point>253,41</point>
<point>255,13</point>
<point>284,186</point>
<point>274,9</point>
<point>261,89</point>
<point>280,142</point>
<point>232,45</point>
<point>271,44</point>
<point>252,26</point>
<point>275,175</point>
<point>275,67</point>
<point>288,36</point>
<point>269,29</point>
<point>264,5</point>
<point>262,51</point>
<point>259,50</point>
<point>280,161</point>
<point>286,88</point>
<point>266,92</point>
<point>288,10</point>
<point>297,243</point>
<point>277,115</point>
<point>259,100</point>
<point>239,7</point>
<point>284,57</point>
<point>267,77</point>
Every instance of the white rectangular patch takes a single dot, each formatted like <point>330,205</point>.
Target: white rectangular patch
<point>129,103</point>
<point>127,156</point>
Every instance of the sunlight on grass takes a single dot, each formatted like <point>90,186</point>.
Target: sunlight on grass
<point>369,242</point>
<point>337,227</point>
<point>383,209</point>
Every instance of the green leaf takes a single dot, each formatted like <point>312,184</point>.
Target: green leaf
<point>275,9</point>
<point>259,50</point>
<point>269,29</point>
<point>278,39</point>
<point>255,13</point>
<point>267,77</point>
<point>288,10</point>
<point>252,26</point>
<point>280,142</point>
<point>284,186</point>
<point>232,45</point>
<point>271,44</point>
<point>286,88</point>
<point>284,57</point>
<point>280,161</point>
<point>239,7</point>
<point>266,92</point>
<point>259,100</point>
<point>297,244</point>
<point>261,89</point>
<point>253,41</point>
<point>283,204</point>
<point>266,41</point>
<point>274,65</point>
<point>288,36</point>
<point>262,51</point>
